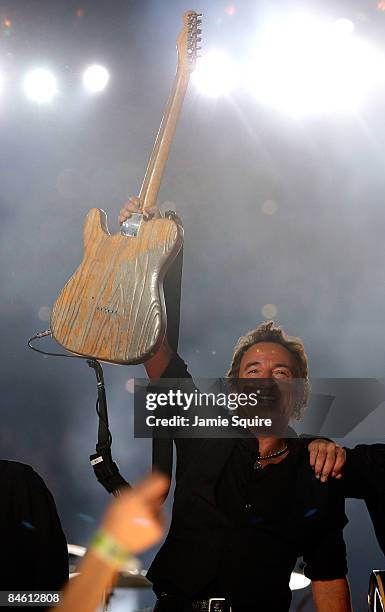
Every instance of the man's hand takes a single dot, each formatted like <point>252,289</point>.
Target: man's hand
<point>326,458</point>
<point>132,206</point>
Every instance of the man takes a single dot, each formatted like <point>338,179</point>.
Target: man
<point>239,531</point>
<point>236,532</point>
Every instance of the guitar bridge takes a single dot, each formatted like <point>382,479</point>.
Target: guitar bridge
<point>131,226</point>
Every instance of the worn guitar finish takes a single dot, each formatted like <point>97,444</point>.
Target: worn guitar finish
<point>113,307</point>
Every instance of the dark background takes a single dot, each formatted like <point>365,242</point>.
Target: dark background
<point>318,259</point>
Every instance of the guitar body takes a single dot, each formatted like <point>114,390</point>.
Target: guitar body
<point>113,308</point>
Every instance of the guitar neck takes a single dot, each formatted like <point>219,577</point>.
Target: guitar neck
<point>155,167</point>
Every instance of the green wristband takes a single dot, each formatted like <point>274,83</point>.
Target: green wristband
<point>109,550</point>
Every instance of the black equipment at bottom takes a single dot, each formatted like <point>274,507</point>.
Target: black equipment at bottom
<point>168,603</point>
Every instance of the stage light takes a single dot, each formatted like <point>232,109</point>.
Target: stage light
<point>215,74</point>
<point>40,86</point>
<point>344,26</point>
<point>77,551</point>
<point>95,78</point>
<point>303,65</point>
<point>298,581</point>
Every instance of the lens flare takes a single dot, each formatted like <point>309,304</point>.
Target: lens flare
<point>95,78</point>
<point>40,86</point>
<point>215,74</point>
<point>304,65</point>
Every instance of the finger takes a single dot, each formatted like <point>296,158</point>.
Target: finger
<point>124,214</point>
<point>321,457</point>
<point>152,488</point>
<point>313,449</point>
<point>340,461</point>
<point>132,206</point>
<point>328,465</point>
<point>135,201</point>
<point>151,212</point>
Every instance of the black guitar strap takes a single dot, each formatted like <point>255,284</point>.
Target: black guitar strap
<point>105,468</point>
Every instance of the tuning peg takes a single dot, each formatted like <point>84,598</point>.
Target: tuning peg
<point>199,39</point>
<point>199,31</point>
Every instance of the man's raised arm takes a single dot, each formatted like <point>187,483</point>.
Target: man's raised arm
<point>156,365</point>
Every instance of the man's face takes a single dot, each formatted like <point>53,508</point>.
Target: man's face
<point>274,367</point>
<point>267,360</point>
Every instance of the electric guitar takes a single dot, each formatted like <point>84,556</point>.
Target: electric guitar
<point>113,307</point>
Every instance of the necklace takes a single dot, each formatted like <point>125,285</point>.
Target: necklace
<point>258,465</point>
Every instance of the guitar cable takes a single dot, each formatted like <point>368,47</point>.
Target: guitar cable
<point>105,468</point>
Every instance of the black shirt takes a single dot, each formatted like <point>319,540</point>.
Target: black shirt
<point>267,524</point>
<point>236,533</point>
<point>364,478</point>
<point>33,545</point>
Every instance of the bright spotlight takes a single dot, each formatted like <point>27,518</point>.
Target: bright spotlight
<point>303,65</point>
<point>95,78</point>
<point>345,26</point>
<point>215,74</point>
<point>40,86</point>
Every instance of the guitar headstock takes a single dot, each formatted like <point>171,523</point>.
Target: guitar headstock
<point>188,40</point>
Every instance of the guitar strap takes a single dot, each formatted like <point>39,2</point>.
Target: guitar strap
<point>105,468</point>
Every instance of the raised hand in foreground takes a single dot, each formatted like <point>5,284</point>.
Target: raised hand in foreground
<point>131,524</point>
